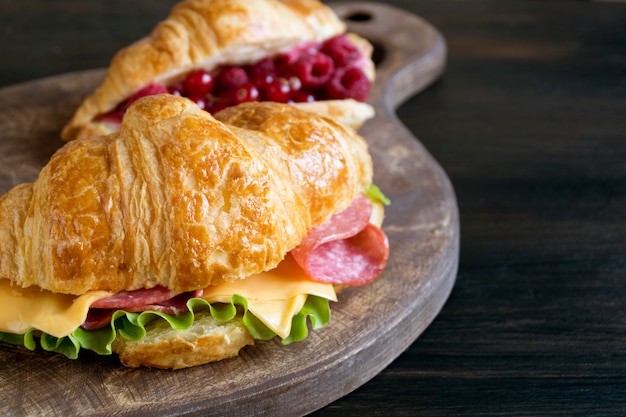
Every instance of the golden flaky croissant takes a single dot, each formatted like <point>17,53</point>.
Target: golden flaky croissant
<point>179,206</point>
<point>179,199</point>
<point>215,34</point>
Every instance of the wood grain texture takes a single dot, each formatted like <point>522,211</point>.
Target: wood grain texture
<point>371,325</point>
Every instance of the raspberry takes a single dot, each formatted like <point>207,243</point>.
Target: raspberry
<point>230,78</point>
<point>215,106</point>
<point>263,72</point>
<point>341,50</point>
<point>302,96</point>
<point>294,83</point>
<point>149,90</point>
<point>285,60</point>
<point>313,70</point>
<point>278,90</point>
<point>176,89</point>
<point>198,83</point>
<point>244,93</point>
<point>348,82</point>
<point>201,101</point>
<point>114,116</point>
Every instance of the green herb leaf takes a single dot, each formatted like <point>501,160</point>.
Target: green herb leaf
<point>374,194</point>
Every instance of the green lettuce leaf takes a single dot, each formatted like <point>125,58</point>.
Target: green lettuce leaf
<point>317,310</point>
<point>132,326</point>
<point>374,194</point>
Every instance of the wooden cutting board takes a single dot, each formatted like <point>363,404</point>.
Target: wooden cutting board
<point>371,325</point>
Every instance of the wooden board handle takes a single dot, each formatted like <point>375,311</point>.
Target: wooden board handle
<point>410,54</point>
<point>404,65</point>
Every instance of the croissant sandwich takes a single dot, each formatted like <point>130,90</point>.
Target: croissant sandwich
<point>220,53</point>
<point>183,237</point>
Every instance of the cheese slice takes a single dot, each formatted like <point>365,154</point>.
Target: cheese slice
<point>280,283</point>
<point>55,314</point>
<point>277,314</point>
<point>274,297</point>
<point>378,214</point>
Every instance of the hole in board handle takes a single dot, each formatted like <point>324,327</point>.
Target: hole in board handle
<point>359,16</point>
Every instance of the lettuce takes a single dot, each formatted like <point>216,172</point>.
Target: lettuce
<point>374,194</point>
<point>132,326</point>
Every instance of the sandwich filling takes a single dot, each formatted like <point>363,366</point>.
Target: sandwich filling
<point>331,70</point>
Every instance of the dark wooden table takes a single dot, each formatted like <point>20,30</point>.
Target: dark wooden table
<point>529,122</point>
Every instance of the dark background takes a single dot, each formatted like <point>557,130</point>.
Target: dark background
<point>529,122</point>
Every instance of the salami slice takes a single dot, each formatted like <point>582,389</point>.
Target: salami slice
<point>128,299</point>
<point>347,249</point>
<point>98,317</point>
<point>174,305</point>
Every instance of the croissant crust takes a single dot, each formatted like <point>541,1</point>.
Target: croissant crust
<point>206,34</point>
<point>179,199</point>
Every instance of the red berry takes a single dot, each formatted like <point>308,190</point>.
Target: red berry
<point>349,82</point>
<point>215,106</point>
<point>201,101</point>
<point>313,70</point>
<point>285,60</point>
<point>114,116</point>
<point>279,91</point>
<point>294,83</point>
<point>230,78</point>
<point>198,83</point>
<point>263,72</point>
<point>263,81</point>
<point>242,94</point>
<point>176,89</point>
<point>341,50</point>
<point>149,90</point>
<point>302,96</point>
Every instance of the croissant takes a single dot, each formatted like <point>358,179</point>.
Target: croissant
<point>179,199</point>
<point>181,207</point>
<point>214,35</point>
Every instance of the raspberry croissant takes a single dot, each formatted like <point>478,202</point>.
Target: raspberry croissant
<point>223,52</point>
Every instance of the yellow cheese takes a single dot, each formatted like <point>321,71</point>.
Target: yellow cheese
<point>277,314</point>
<point>378,214</point>
<point>55,314</point>
<point>280,283</point>
<point>274,297</point>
